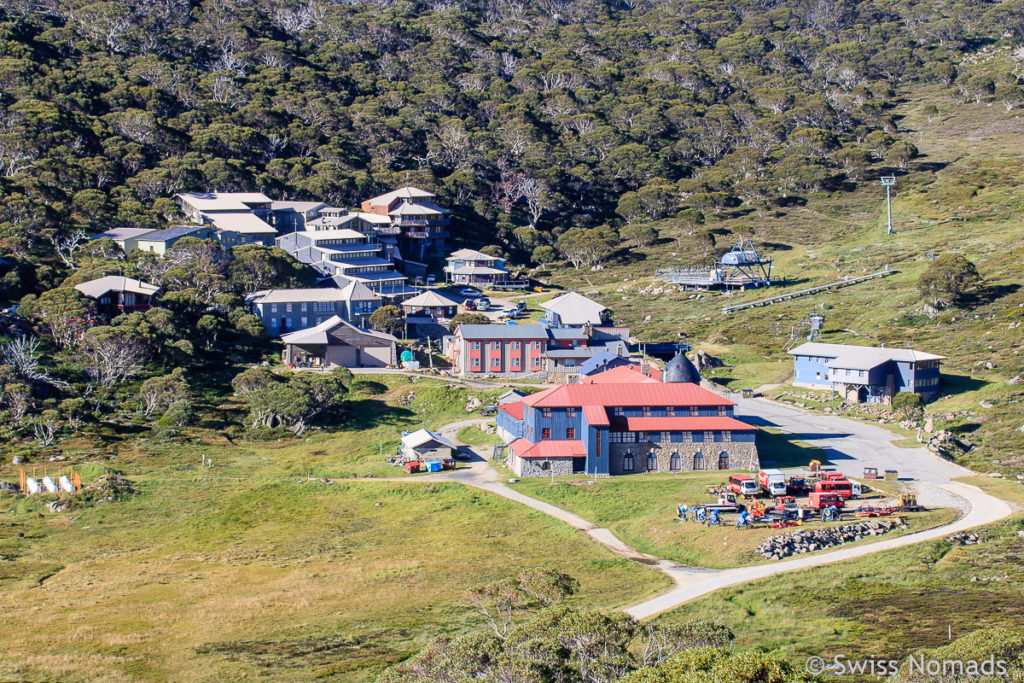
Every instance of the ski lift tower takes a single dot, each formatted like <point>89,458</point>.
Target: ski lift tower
<point>887,182</point>
<point>743,267</point>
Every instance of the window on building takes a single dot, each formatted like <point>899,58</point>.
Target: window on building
<point>675,463</point>
<point>273,308</point>
<point>694,411</point>
<point>666,437</point>
<point>302,307</point>
<point>288,308</point>
<point>545,433</point>
<point>670,411</point>
<point>646,411</point>
<point>515,362</point>
<point>709,437</point>
<point>476,362</point>
<point>496,362</point>
<point>515,346</point>
<point>545,412</point>
<point>817,375</point>
<point>617,410</point>
<point>698,462</point>
<point>570,432</point>
<point>304,321</point>
<point>273,323</point>
<point>597,442</point>
<point>495,345</point>
<point>641,436</point>
<point>474,345</point>
<point>687,437</point>
<point>723,461</point>
<point>627,462</point>
<point>570,411</point>
<point>726,436</point>
<point>536,344</point>
<point>545,465</point>
<point>652,462</point>
<point>722,411</point>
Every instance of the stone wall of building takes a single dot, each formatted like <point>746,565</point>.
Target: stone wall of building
<point>534,467</point>
<point>742,455</point>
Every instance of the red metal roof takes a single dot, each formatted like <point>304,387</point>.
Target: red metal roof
<point>514,409</point>
<point>595,415</point>
<point>687,424</point>
<point>548,448</point>
<point>626,394</point>
<point>624,374</point>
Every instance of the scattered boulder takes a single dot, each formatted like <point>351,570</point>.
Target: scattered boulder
<point>16,460</point>
<point>1015,380</point>
<point>809,541</point>
<point>984,404</point>
<point>929,425</point>
<point>704,360</point>
<point>8,486</point>
<point>964,538</point>
<point>473,404</point>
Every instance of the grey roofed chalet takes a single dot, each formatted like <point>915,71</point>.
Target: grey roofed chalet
<point>94,289</point>
<point>849,356</point>
<point>575,309</point>
<point>318,333</point>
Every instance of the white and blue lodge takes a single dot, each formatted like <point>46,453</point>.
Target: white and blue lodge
<point>865,374</point>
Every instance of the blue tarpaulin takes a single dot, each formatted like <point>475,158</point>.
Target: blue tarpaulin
<point>433,465</point>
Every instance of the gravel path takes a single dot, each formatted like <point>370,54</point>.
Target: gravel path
<point>849,445</point>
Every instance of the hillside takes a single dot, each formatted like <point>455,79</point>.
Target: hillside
<point>961,196</point>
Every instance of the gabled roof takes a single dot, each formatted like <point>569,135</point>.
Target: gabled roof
<point>471,255</point>
<point>513,408</point>
<point>417,209</point>
<point>477,270</point>
<point>548,448</point>
<point>301,207</point>
<point>575,309</point>
<point>242,223</point>
<point>622,374</point>
<point>860,357</point>
<point>123,233</point>
<point>334,234</point>
<point>407,192</point>
<point>686,424</point>
<point>223,201</point>
<point>424,436</point>
<point>307,294</point>
<point>318,333</point>
<point>502,331</point>
<point>174,233</point>
<point>94,289</point>
<point>357,291</point>
<point>626,394</point>
<point>430,298</point>
<point>510,396</point>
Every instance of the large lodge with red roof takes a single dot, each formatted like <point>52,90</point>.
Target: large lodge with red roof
<point>623,421</point>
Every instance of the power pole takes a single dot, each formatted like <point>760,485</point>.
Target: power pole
<point>887,182</point>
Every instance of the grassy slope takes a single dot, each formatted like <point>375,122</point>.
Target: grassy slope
<point>262,573</point>
<point>641,510</point>
<point>962,195</point>
<point>882,606</point>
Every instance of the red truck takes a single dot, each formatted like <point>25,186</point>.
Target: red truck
<point>821,499</point>
<point>842,487</point>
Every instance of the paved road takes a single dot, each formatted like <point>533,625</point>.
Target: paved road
<point>849,445</point>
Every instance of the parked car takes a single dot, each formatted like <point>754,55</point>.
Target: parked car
<point>483,303</point>
<point>509,312</point>
<point>469,304</point>
<point>521,306</point>
<point>470,293</point>
<point>431,279</point>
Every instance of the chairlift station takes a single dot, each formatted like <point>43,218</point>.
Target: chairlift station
<point>742,267</point>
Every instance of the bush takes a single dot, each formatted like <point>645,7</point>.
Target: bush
<point>908,404</point>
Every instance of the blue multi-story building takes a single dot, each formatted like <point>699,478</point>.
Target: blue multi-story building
<point>622,422</point>
<point>866,374</point>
